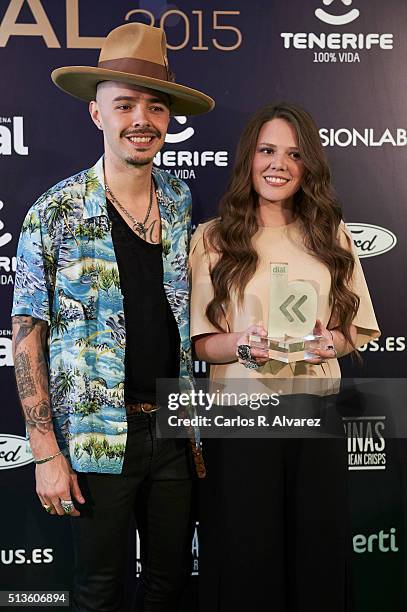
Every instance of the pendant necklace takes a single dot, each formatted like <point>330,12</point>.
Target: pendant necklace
<point>138,227</point>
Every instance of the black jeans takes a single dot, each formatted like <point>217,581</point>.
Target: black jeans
<point>155,485</point>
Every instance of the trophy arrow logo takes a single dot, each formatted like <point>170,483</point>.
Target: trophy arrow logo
<point>295,308</point>
<point>293,305</point>
<point>292,334</point>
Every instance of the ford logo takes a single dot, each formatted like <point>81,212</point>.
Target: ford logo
<point>13,452</point>
<point>371,240</point>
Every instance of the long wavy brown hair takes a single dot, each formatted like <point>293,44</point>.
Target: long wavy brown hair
<point>230,235</point>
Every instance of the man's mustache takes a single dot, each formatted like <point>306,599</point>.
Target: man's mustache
<point>149,132</point>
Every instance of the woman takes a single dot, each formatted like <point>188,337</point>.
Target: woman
<point>274,532</point>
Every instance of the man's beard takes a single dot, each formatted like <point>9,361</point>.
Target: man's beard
<point>138,163</point>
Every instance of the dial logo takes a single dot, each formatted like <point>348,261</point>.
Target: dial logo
<point>337,19</point>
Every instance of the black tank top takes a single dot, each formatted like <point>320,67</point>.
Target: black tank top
<point>152,337</point>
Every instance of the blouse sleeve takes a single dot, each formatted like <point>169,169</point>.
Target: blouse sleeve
<point>365,319</point>
<point>200,262</point>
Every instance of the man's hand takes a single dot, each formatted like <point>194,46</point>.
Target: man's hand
<point>57,481</point>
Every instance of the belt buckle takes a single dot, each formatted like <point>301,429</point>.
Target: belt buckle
<point>148,411</point>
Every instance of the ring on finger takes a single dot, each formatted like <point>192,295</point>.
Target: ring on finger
<point>48,508</point>
<point>251,364</point>
<point>67,506</point>
<point>330,347</point>
<point>244,352</point>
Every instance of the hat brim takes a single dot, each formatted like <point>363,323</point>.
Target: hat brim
<point>81,82</point>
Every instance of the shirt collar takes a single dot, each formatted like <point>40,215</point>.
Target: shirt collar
<point>95,190</point>
<point>95,193</point>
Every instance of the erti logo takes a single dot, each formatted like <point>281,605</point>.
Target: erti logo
<point>188,132</point>
<point>376,542</point>
<point>337,19</point>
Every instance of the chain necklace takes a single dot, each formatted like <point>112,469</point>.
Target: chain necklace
<point>138,226</point>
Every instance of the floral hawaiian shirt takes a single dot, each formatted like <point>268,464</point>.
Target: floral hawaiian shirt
<point>67,275</point>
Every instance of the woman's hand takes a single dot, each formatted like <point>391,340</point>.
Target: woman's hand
<point>249,356</point>
<point>327,349</point>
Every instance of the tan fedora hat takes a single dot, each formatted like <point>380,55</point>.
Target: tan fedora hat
<point>133,53</point>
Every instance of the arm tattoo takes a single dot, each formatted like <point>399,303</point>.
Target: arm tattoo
<point>39,416</point>
<point>25,380</point>
<point>25,324</point>
<point>32,372</point>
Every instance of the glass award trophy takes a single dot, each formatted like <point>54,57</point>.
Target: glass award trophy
<point>292,315</point>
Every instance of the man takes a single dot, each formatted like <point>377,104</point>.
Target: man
<point>100,311</point>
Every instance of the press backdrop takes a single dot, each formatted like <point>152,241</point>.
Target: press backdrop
<point>343,61</point>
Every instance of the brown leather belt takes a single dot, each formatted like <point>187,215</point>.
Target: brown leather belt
<point>198,459</point>
<point>139,407</point>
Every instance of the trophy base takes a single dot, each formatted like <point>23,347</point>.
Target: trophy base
<point>288,349</point>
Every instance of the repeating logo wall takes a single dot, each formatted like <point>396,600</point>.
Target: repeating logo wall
<point>337,19</point>
<point>371,240</point>
<point>388,344</point>
<point>366,442</point>
<point>376,542</point>
<point>20,556</point>
<point>6,352</point>
<point>12,136</point>
<point>343,47</point>
<point>188,132</point>
<point>7,264</point>
<point>196,33</point>
<point>184,163</point>
<point>6,237</point>
<point>368,137</point>
<point>13,452</point>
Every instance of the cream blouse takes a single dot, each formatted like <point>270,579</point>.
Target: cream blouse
<point>275,244</point>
